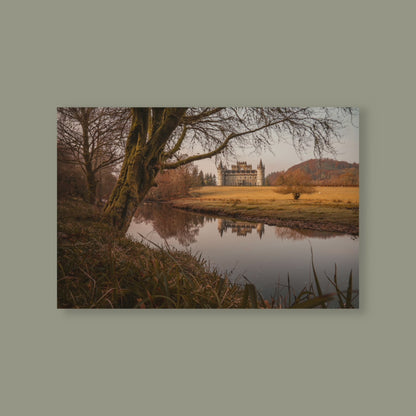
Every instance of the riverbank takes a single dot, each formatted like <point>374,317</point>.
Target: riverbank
<point>100,268</point>
<point>333,209</point>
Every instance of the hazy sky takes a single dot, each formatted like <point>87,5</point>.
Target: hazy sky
<point>282,155</point>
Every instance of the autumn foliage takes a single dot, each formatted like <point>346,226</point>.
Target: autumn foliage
<point>322,172</point>
<point>295,183</point>
<point>171,184</point>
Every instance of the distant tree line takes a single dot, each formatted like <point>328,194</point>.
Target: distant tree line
<point>203,179</point>
<point>176,183</point>
<point>91,142</point>
<point>272,178</point>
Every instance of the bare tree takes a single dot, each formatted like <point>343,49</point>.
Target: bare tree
<point>157,136</point>
<point>70,178</point>
<point>93,138</point>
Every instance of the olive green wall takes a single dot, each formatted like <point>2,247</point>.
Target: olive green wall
<point>262,53</point>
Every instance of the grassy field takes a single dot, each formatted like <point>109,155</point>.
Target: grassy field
<point>329,208</point>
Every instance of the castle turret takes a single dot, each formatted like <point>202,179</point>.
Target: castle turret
<point>260,229</point>
<point>221,226</point>
<point>220,179</point>
<point>260,174</point>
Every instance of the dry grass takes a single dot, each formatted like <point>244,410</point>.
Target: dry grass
<point>100,268</point>
<point>329,208</point>
<point>323,194</point>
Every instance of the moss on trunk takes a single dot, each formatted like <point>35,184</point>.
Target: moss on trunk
<point>144,154</point>
<point>136,178</point>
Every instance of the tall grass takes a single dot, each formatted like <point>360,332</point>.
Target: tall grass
<point>312,296</point>
<point>100,268</point>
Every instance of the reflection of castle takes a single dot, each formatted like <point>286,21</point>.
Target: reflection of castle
<point>241,174</point>
<point>239,227</point>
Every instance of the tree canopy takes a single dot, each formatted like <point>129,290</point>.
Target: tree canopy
<point>158,137</point>
<point>222,130</point>
<point>93,139</point>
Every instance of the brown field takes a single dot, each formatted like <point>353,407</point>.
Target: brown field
<point>329,208</point>
<point>323,194</point>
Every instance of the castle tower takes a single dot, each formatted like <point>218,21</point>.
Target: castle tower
<point>220,179</point>
<point>260,229</point>
<point>260,174</point>
<point>221,226</point>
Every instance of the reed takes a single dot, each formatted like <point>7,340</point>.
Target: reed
<point>100,268</point>
<point>312,296</point>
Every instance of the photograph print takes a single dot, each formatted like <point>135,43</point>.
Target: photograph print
<point>208,207</point>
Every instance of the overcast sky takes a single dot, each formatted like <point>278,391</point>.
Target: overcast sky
<point>282,155</point>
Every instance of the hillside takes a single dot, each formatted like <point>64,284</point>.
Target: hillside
<point>324,172</point>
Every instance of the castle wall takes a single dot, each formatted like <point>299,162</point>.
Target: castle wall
<point>240,178</point>
<point>241,175</point>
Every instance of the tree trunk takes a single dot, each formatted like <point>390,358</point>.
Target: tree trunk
<point>88,157</point>
<point>149,133</point>
<point>136,178</point>
<point>91,185</point>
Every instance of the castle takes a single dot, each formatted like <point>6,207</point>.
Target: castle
<point>240,174</point>
<point>239,227</point>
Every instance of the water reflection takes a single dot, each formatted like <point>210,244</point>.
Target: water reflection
<point>286,233</point>
<point>262,253</point>
<point>241,228</point>
<point>184,226</point>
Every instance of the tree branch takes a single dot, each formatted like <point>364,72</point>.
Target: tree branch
<point>220,148</point>
<point>170,120</point>
<point>177,146</point>
<point>190,119</point>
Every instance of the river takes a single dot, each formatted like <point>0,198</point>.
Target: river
<point>265,255</point>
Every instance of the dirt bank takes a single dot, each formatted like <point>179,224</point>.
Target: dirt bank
<point>292,223</point>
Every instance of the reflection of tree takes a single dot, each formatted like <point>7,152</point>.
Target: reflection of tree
<point>241,228</point>
<point>286,233</point>
<point>168,222</point>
